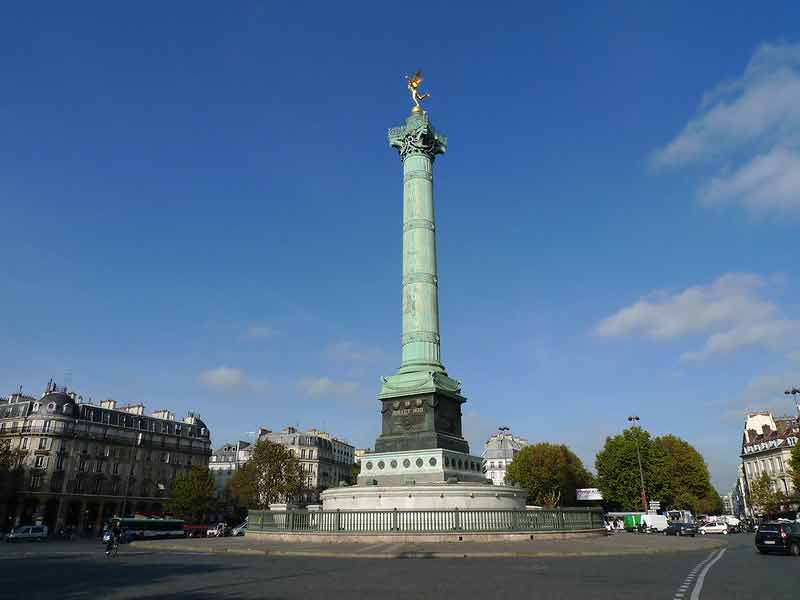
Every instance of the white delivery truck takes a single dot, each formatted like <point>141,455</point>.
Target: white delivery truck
<point>655,522</point>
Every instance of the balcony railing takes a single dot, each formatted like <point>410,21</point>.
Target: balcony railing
<point>426,521</point>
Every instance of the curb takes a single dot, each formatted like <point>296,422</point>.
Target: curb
<point>427,555</point>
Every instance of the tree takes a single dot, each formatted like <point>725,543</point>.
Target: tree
<point>272,474</point>
<point>549,472</point>
<point>765,500</point>
<point>12,474</point>
<point>794,465</point>
<point>674,473</point>
<point>682,477</point>
<point>618,468</point>
<point>241,487</point>
<point>192,495</point>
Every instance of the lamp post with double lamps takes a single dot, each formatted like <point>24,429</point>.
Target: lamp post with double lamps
<point>635,419</point>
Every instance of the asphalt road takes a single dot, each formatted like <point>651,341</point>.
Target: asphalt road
<point>80,570</point>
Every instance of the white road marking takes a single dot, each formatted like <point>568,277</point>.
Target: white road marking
<point>699,585</point>
<point>703,566</point>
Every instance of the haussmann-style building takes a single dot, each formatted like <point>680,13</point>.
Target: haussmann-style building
<point>82,461</point>
<point>767,443</point>
<point>498,452</point>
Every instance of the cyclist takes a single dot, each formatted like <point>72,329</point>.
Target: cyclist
<point>113,539</point>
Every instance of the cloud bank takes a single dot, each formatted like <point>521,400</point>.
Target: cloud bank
<point>730,312</point>
<point>749,129</point>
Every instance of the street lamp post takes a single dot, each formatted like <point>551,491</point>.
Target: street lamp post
<point>635,419</point>
<point>794,392</point>
<point>137,441</point>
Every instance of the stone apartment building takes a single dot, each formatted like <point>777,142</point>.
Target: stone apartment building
<point>326,461</point>
<point>767,442</point>
<point>226,460</point>
<point>498,452</point>
<point>82,462</point>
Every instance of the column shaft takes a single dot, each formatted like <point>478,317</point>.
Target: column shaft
<point>420,342</point>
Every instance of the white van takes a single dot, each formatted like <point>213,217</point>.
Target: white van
<point>655,522</point>
<point>28,532</point>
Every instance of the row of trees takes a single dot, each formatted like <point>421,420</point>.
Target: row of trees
<point>674,472</point>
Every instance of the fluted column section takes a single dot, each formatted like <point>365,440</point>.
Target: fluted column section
<point>418,144</point>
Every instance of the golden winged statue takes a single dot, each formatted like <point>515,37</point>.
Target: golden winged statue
<point>413,85</point>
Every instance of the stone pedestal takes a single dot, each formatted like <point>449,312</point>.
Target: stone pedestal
<point>414,467</point>
<point>434,496</point>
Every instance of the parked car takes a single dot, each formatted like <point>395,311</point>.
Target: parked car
<point>778,537</point>
<point>681,529</point>
<point>218,530</point>
<point>714,528</point>
<point>28,532</point>
<point>239,530</point>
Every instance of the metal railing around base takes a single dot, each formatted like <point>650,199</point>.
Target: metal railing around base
<point>425,521</point>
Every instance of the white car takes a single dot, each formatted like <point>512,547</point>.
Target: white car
<point>28,532</point>
<point>714,528</point>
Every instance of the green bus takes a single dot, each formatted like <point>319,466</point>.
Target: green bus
<point>148,529</point>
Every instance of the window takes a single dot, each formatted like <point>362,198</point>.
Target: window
<point>780,465</point>
<point>36,481</point>
<point>2,427</point>
<point>40,462</point>
<point>47,427</point>
<point>35,407</point>
<point>98,486</point>
<point>60,462</point>
<point>98,467</point>
<point>24,444</point>
<point>115,469</point>
<point>43,443</point>
<point>82,466</point>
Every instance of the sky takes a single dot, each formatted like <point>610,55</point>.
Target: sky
<point>200,211</point>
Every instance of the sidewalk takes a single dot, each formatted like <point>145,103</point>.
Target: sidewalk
<point>618,544</point>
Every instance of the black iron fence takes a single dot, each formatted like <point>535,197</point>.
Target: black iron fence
<point>426,521</point>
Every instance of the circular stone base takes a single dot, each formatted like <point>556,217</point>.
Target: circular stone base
<point>442,496</point>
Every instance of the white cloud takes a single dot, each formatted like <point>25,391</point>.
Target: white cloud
<point>229,379</point>
<point>351,352</point>
<point>755,122</point>
<point>259,332</point>
<point>323,386</point>
<point>767,182</point>
<point>730,311</point>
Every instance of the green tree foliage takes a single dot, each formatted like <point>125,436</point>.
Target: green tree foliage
<point>618,469</point>
<point>11,472</point>
<point>550,473</point>
<point>272,474</point>
<point>794,466</point>
<point>192,495</point>
<point>674,472</point>
<point>764,500</point>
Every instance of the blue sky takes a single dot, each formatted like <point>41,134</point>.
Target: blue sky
<point>200,211</point>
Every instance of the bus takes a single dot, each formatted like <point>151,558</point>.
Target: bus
<point>148,529</point>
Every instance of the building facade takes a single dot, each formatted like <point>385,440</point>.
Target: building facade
<point>767,443</point>
<point>498,452</point>
<point>83,463</point>
<point>326,461</point>
<point>226,460</point>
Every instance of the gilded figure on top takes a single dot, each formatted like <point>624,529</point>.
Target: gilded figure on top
<point>413,85</point>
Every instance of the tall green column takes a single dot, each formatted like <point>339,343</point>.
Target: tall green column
<point>420,403</point>
<point>418,144</point>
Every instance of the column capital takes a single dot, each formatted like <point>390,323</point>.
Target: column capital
<point>417,136</point>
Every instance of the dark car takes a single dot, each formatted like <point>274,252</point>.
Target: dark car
<point>778,537</point>
<point>681,529</point>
